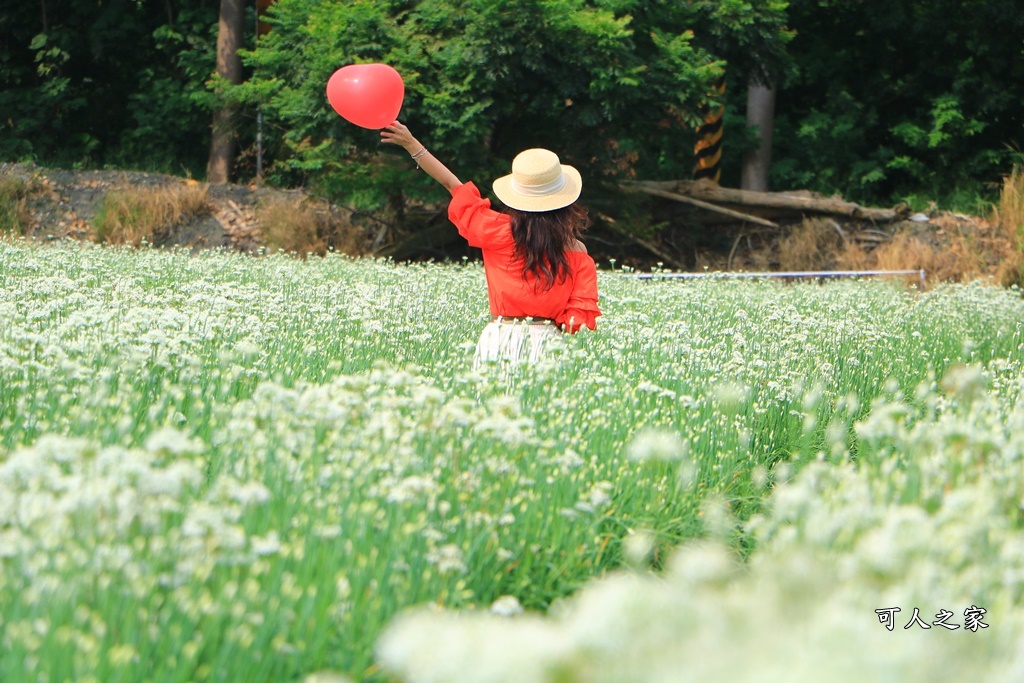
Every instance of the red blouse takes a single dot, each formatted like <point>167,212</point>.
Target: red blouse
<point>572,303</point>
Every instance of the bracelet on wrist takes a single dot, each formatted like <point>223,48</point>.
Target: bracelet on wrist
<point>417,155</point>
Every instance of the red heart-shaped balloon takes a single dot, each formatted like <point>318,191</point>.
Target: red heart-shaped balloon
<point>368,95</point>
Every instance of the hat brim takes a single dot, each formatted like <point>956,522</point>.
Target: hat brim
<point>569,193</point>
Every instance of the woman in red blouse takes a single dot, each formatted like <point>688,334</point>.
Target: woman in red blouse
<point>540,279</point>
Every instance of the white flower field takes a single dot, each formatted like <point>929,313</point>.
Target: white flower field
<point>226,468</point>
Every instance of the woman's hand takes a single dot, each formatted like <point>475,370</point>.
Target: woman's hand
<point>398,134</point>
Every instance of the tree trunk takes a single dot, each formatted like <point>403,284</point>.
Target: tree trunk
<point>229,67</point>
<point>760,115</point>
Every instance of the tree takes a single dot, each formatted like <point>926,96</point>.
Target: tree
<point>230,36</point>
<point>897,99</point>
<point>615,85</point>
<point>105,83</point>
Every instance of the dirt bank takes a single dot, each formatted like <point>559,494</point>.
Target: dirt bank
<point>64,204</point>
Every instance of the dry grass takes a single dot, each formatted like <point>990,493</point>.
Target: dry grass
<point>960,257</point>
<point>852,256</point>
<point>306,226</point>
<point>812,245</point>
<point>1008,216</point>
<point>1009,213</point>
<point>140,215</point>
<point>949,248</point>
<point>14,214</point>
<point>1011,271</point>
<point>907,252</point>
<point>958,250</point>
<point>761,260</point>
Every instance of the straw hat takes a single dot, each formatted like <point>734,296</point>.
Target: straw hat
<point>538,182</point>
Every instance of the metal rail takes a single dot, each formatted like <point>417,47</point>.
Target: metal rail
<point>790,275</point>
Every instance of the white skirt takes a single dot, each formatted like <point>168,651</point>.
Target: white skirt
<point>514,342</point>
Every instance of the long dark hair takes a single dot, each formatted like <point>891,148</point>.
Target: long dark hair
<point>543,237</point>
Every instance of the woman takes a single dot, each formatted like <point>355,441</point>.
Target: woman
<point>540,280</point>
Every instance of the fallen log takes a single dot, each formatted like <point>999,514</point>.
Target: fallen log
<point>801,202</point>
<point>675,196</point>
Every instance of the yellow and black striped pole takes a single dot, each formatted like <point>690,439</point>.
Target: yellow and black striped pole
<point>708,150</point>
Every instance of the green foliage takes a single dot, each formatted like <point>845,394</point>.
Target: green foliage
<point>612,85</point>
<point>92,84</point>
<point>169,112</point>
<point>889,102</point>
<point>880,101</point>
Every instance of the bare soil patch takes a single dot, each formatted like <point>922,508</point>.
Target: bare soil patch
<point>65,204</point>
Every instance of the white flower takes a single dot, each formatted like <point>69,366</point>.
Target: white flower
<point>250,493</point>
<point>569,459</point>
<point>656,444</point>
<point>265,545</point>
<point>595,498</point>
<point>447,558</point>
<point>637,546</point>
<point>506,606</point>
<point>326,677</point>
<point>172,440</point>
<point>411,488</point>
<point>731,395</point>
<point>965,381</point>
<point>247,351</point>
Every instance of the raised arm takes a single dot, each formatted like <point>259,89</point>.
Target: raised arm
<point>398,134</point>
